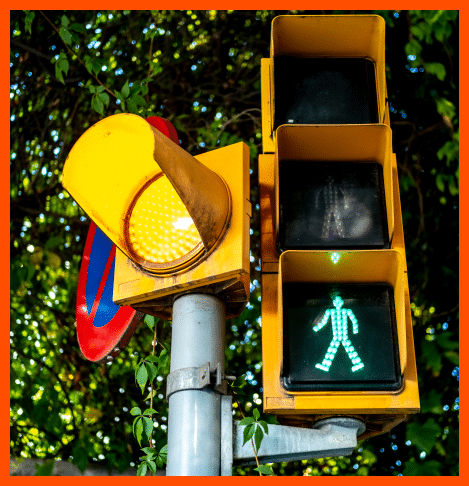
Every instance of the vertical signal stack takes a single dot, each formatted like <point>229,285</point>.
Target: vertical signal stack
<point>336,322</point>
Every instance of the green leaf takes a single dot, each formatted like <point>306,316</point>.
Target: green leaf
<point>424,436</point>
<point>258,436</point>
<point>164,451</point>
<point>440,182</point>
<point>44,469</point>
<point>152,466</point>
<point>425,468</point>
<point>96,66</point>
<point>152,358</point>
<point>247,421</point>
<point>58,73</point>
<point>138,429</point>
<point>447,341</point>
<point>135,411</point>
<point>445,108</point>
<point>89,64</point>
<point>65,35</point>
<point>453,190</point>
<point>413,48</point>
<point>238,391</point>
<point>149,411</point>
<point>147,426</point>
<point>452,356</point>
<point>431,402</point>
<point>138,100</point>
<point>64,20</point>
<point>135,89</point>
<point>264,425</point>
<point>256,414</point>
<point>449,151</point>
<point>132,107</point>
<point>239,381</point>
<point>152,372</point>
<point>53,242</point>
<point>163,362</point>
<point>151,394</point>
<point>142,376</point>
<point>432,354</point>
<point>248,432</point>
<point>104,97</point>
<point>142,469</point>
<point>28,21</point>
<point>80,457</point>
<point>417,31</point>
<point>150,451</point>
<point>264,469</point>
<point>149,320</point>
<point>78,28</point>
<point>125,89</point>
<point>63,64</point>
<point>437,69</point>
<point>97,105</point>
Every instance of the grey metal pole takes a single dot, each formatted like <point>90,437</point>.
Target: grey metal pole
<point>198,337</point>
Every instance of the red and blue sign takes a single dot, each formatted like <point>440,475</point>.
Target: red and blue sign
<point>103,327</point>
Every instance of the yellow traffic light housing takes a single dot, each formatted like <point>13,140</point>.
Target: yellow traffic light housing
<point>166,211</point>
<point>340,55</point>
<point>336,323</point>
<point>337,150</point>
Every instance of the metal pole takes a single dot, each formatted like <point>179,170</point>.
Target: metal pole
<point>198,337</point>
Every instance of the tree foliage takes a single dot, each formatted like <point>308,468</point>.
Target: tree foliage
<point>200,69</point>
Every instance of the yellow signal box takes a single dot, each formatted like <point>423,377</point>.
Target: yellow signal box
<point>336,323</point>
<point>179,222</point>
<point>338,57</point>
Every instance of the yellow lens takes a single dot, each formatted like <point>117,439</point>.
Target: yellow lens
<point>160,230</point>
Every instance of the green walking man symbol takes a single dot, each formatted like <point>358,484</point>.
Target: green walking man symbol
<point>339,317</point>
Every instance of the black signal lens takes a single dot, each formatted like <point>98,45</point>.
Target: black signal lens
<point>331,205</point>
<point>324,91</point>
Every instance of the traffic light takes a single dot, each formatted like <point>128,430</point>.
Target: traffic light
<point>179,222</point>
<point>336,323</point>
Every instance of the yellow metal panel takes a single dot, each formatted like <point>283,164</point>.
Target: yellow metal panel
<point>328,36</point>
<point>104,171</point>
<point>133,285</point>
<point>346,143</point>
<point>398,235</point>
<point>266,105</point>
<point>267,209</point>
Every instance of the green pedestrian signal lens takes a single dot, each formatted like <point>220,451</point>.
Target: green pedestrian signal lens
<point>340,337</point>
<point>339,318</point>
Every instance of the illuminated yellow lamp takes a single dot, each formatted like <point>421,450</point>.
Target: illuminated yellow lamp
<point>159,205</point>
<point>159,229</point>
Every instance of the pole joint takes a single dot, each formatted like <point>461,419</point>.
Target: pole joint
<point>197,378</point>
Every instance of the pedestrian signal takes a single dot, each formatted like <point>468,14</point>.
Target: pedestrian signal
<point>336,323</point>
